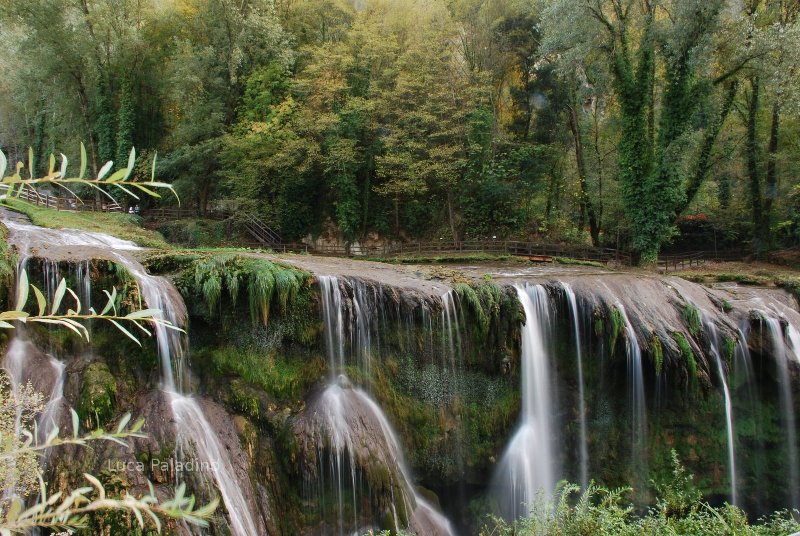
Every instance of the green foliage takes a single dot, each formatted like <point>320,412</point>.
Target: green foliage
<point>97,396</point>
<point>691,315</point>
<point>617,322</point>
<point>657,353</point>
<point>604,512</point>
<point>468,296</point>
<point>728,348</point>
<point>126,121</point>
<point>267,285</point>
<point>687,354</point>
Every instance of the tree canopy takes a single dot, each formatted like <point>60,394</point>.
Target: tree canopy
<point>615,122</point>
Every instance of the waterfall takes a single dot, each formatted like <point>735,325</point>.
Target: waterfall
<point>636,392</point>
<point>787,404</point>
<point>528,466</point>
<point>190,423</point>
<point>357,431</point>
<point>576,330</point>
<point>158,293</point>
<point>714,340</point>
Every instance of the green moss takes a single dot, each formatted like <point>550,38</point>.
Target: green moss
<point>280,378</point>
<point>162,263</point>
<point>617,326</point>
<point>657,353</point>
<point>97,395</point>
<point>728,348</point>
<point>469,297</point>
<point>599,327</point>
<point>687,354</point>
<point>691,315</point>
<point>726,306</point>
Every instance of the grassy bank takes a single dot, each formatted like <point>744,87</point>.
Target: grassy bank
<point>124,226</point>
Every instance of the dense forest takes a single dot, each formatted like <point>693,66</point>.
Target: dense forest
<point>642,124</point>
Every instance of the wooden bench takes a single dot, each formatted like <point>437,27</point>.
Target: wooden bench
<point>539,258</point>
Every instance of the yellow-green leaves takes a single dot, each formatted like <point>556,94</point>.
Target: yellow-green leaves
<point>74,317</point>
<point>119,179</point>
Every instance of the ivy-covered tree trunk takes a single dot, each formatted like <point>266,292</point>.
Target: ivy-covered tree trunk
<point>754,177</point>
<point>126,122</point>
<point>104,124</point>
<point>587,207</point>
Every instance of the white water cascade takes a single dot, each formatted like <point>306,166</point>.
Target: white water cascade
<point>347,415</point>
<point>715,339</point>
<point>636,390</point>
<point>191,425</point>
<point>528,466</point>
<point>576,329</point>
<point>158,293</point>
<point>778,341</point>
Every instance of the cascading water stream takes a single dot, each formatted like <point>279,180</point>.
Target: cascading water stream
<point>576,329</point>
<point>636,390</point>
<point>346,415</point>
<point>190,423</point>
<point>158,293</point>
<point>787,405</point>
<point>714,339</point>
<point>528,466</point>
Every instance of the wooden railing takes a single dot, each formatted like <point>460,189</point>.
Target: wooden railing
<point>69,203</point>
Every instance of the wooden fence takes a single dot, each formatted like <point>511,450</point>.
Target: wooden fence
<point>69,203</point>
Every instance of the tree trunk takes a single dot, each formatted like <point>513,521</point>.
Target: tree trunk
<point>704,161</point>
<point>587,208</point>
<point>751,150</point>
<point>772,174</point>
<point>451,216</point>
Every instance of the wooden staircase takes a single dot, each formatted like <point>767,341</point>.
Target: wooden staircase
<point>261,231</point>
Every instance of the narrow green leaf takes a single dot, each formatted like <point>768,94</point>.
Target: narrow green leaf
<point>6,325</point>
<point>117,176</point>
<point>143,313</point>
<point>3,165</point>
<point>59,295</point>
<point>52,166</point>
<point>153,169</point>
<point>123,422</point>
<point>131,161</point>
<point>125,331</point>
<point>22,290</point>
<point>105,169</point>
<point>40,300</point>
<point>63,166</point>
<point>75,423</point>
<point>30,162</point>
<point>82,173</point>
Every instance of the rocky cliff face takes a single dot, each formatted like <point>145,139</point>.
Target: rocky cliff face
<point>437,361</point>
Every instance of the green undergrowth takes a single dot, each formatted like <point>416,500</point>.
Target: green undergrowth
<point>657,353</point>
<point>195,232</point>
<point>600,511</point>
<point>124,226</point>
<point>266,286</point>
